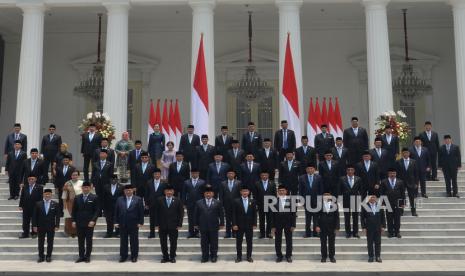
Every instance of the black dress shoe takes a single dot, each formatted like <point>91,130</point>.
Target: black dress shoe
<point>370,260</point>
<point>356,236</point>
<point>333,260</point>
<point>80,260</point>
<point>348,236</point>
<point>107,235</point>
<point>87,260</point>
<point>134,259</point>
<point>316,235</point>
<point>164,260</point>
<point>238,260</point>
<point>279,259</point>
<point>289,259</point>
<point>204,260</point>
<point>151,236</point>
<point>424,196</point>
<point>249,259</point>
<point>398,236</point>
<point>214,259</point>
<point>16,197</point>
<point>436,179</point>
<point>449,195</point>
<point>414,213</point>
<point>122,260</point>
<point>457,195</point>
<point>227,236</point>
<point>173,260</point>
<point>40,260</point>
<point>11,197</point>
<point>378,260</point>
<point>269,236</point>
<point>48,259</point>
<point>323,260</point>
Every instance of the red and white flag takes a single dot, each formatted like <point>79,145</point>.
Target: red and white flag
<point>332,124</point>
<point>290,96</point>
<point>152,118</point>
<point>165,126</point>
<point>199,98</point>
<point>311,124</point>
<point>178,126</point>
<point>337,112</point>
<point>324,113</point>
<point>171,123</point>
<point>317,119</point>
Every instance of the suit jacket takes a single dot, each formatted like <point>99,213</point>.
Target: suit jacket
<point>208,218</point>
<point>203,158</point>
<point>278,140</point>
<point>176,178</point>
<point>151,195</point>
<point>49,148</point>
<point>88,147</point>
<point>369,178</point>
<point>189,148</point>
<point>342,160</point>
<point>235,161</point>
<point>261,192</point>
<point>305,158</point>
<point>244,220</point>
<point>132,160</point>
<point>433,144</point>
<point>251,144</point>
<point>423,161</point>
<point>129,218</point>
<point>221,146</point>
<point>141,177</point>
<point>15,166</point>
<point>249,178</point>
<point>313,190</point>
<point>110,156</point>
<point>290,178</point>
<point>102,176</point>
<point>39,170</point>
<point>85,212</point>
<point>346,191</point>
<point>214,178</point>
<point>395,196</point>
<point>109,199</point>
<point>382,161</point>
<point>392,148</point>
<point>409,176</point>
<point>283,218</point>
<point>156,145</point>
<point>10,141</point>
<point>330,176</point>
<point>323,144</point>
<point>43,221</point>
<point>327,221</point>
<point>355,144</point>
<point>61,179</point>
<point>373,222</point>
<point>451,160</point>
<point>192,194</point>
<point>226,196</point>
<point>270,163</point>
<point>168,218</point>
<point>27,200</point>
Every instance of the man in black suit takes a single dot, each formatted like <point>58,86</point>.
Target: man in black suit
<point>216,173</point>
<point>355,140</point>
<point>102,171</point>
<point>368,171</point>
<point>283,219</point>
<point>188,144</point>
<point>178,172</point>
<point>230,190</point>
<point>373,224</point>
<point>168,220</point>
<point>129,218</point>
<point>34,165</point>
<point>63,174</point>
<point>381,157</point>
<point>250,172</point>
<point>422,157</point>
<point>393,188</point>
<point>235,157</point>
<point>142,173</point>
<point>265,188</point>
<point>154,189</point>
<point>134,158</point>
<point>340,154</point>
<point>351,188</point>
<point>90,142</point>
<point>244,221</point>
<point>267,157</point>
<point>407,171</point>
<point>327,225</point>
<point>284,139</point>
<point>111,193</point>
<point>310,187</point>
<point>305,154</point>
<point>390,142</point>
<point>330,171</point>
<point>209,219</point>
<point>289,172</point>
<point>204,156</point>
<point>223,141</point>
<point>86,210</point>
<point>450,162</point>
<point>14,168</point>
<point>251,140</point>
<point>430,140</point>
<point>192,192</point>
<point>104,145</point>
<point>13,137</point>
<point>50,146</point>
<point>45,222</point>
<point>323,142</point>
<point>30,194</point>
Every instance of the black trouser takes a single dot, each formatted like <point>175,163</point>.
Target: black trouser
<point>248,239</point>
<point>85,168</point>
<point>152,213</point>
<point>308,221</point>
<point>412,194</point>
<point>374,242</point>
<point>190,221</point>
<point>433,174</point>
<point>209,243</point>
<point>393,220</point>
<point>354,216</point>
<point>60,200</point>
<point>450,176</point>
<point>27,217</point>
<point>41,238</point>
<point>422,176</point>
<point>85,235</point>
<point>48,161</point>
<point>278,241</point>
<point>131,234</point>
<point>328,241</point>
<point>110,222</point>
<point>14,181</point>
<point>264,217</point>
<point>173,236</point>
<point>228,219</point>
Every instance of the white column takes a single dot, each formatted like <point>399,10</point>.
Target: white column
<point>202,23</point>
<point>378,61</point>
<point>289,23</point>
<point>458,8</point>
<point>116,65</point>
<point>29,98</point>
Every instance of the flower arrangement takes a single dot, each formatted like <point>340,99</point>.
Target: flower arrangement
<point>397,122</point>
<point>102,122</point>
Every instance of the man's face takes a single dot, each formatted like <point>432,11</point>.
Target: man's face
<point>224,132</point>
<point>366,157</point>
<point>235,145</point>
<point>104,143</point>
<point>310,170</point>
<point>328,156</point>
<point>372,199</point>
<point>428,127</point>
<point>251,128</point>
<point>305,142</point>
<point>128,192</point>
<point>282,192</point>
<point>388,131</point>
<point>245,192</point>
<point>204,141</point>
<point>354,123</point>
<point>156,127</point>
<point>31,179</point>
<point>190,130</point>
<point>284,125</point>
<point>51,130</point>
<point>144,159</point>
<point>323,129</point>
<point>267,144</point>
<point>92,129</point>
<point>18,146</point>
<point>66,161</point>
<point>86,189</point>
<point>179,157</point>
<point>208,194</point>
<point>249,157</point>
<point>406,154</point>
<point>156,175</point>
<point>195,175</point>
<point>114,180</point>
<point>448,141</point>
<point>392,174</point>
<point>218,158</point>
<point>17,129</point>
<point>378,144</point>
<point>138,146</point>
<point>350,171</point>
<point>339,143</point>
<point>417,142</point>
<point>264,176</point>
<point>47,196</point>
<point>289,156</point>
<point>103,156</point>
<point>34,155</point>
<point>169,192</point>
<point>231,175</point>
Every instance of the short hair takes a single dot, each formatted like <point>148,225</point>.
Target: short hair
<point>224,127</point>
<point>428,123</point>
<point>34,150</point>
<point>324,125</point>
<point>190,126</point>
<point>354,118</point>
<point>251,124</point>
<point>179,153</point>
<point>338,138</point>
<point>204,136</point>
<point>304,137</point>
<point>138,142</point>
<point>447,136</point>
<point>52,126</point>
<point>17,125</point>
<point>284,122</point>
